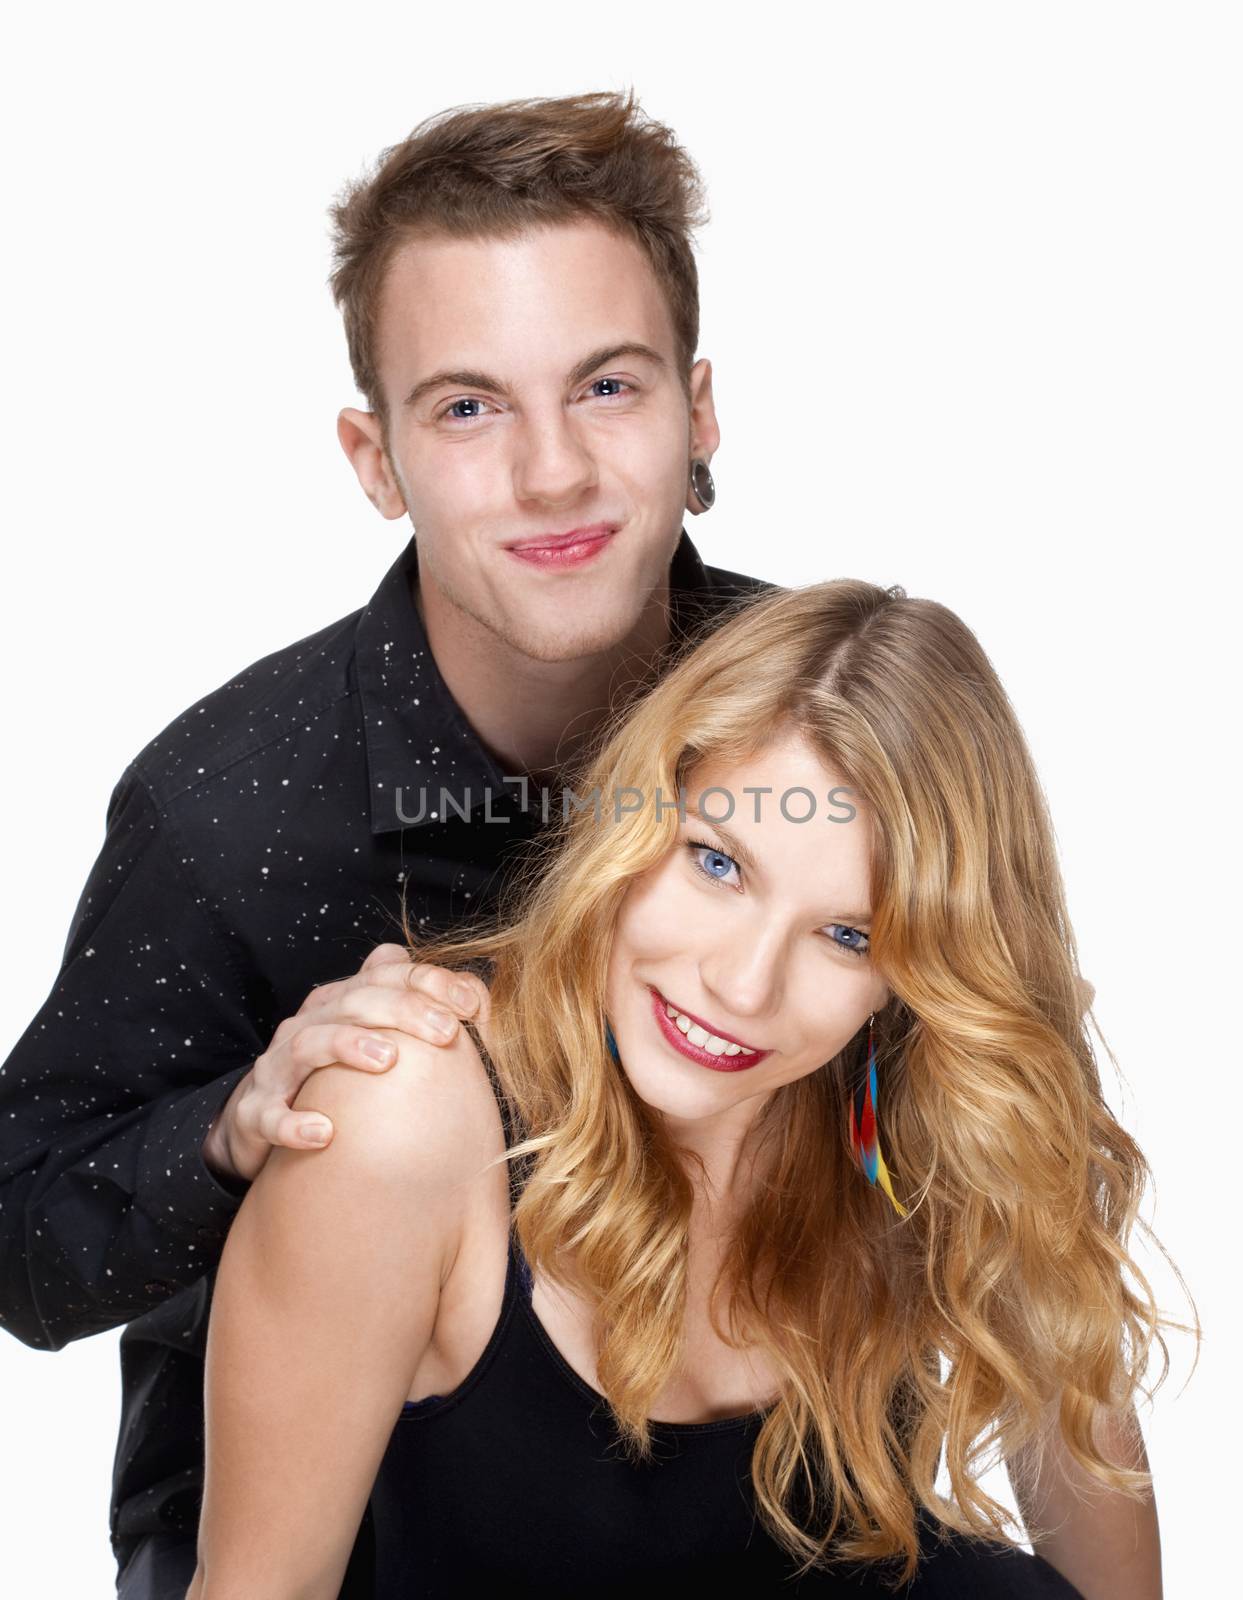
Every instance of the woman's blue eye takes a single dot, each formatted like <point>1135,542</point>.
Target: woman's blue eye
<point>715,864</point>
<point>718,863</point>
<point>860,949</point>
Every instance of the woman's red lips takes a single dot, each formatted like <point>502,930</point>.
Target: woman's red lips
<point>705,1058</point>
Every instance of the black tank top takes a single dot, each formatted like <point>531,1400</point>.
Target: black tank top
<point>517,1479</point>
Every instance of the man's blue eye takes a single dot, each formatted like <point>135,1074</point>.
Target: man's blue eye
<point>616,381</point>
<point>452,411</point>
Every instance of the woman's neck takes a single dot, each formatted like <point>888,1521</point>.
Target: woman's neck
<point>721,1157</point>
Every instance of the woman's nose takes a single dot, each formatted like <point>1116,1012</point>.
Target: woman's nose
<point>746,977</point>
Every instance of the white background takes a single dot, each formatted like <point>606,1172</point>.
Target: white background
<point>972,294</point>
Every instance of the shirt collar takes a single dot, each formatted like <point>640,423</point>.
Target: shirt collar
<point>418,739</point>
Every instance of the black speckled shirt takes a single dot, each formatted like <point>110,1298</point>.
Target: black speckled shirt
<point>257,847</point>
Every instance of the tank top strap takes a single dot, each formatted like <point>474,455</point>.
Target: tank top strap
<point>518,1290</point>
<point>522,1279</point>
<point>510,1123</point>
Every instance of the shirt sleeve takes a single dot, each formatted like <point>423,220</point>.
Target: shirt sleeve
<point>106,1204</point>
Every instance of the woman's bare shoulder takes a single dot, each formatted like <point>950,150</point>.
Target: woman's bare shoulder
<point>326,1304</point>
<point>433,1114</point>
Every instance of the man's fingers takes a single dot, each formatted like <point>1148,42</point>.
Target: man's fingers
<point>299,1130</point>
<point>427,1010</point>
<point>266,1114</point>
<point>326,1044</point>
<point>388,956</point>
<point>388,966</point>
<point>389,991</point>
<point>460,992</point>
<point>484,1013</point>
<point>385,955</point>
<point>321,995</point>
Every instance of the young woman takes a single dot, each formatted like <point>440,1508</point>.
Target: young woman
<point>610,1299</point>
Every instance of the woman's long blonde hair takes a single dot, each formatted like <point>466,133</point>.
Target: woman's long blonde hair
<point>1009,1287</point>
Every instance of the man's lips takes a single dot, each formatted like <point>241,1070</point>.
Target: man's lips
<point>563,541</point>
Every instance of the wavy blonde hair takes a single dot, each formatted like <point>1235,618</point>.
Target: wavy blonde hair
<point>1009,1285</point>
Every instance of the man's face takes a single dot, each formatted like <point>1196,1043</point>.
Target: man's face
<point>522,407</point>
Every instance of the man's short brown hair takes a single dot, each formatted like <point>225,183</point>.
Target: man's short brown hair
<point>496,170</point>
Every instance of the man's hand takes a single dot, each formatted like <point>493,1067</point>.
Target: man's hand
<point>331,1027</point>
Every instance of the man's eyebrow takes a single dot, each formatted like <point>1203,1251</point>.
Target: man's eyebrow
<point>736,848</point>
<point>614,352</point>
<point>460,378</point>
<point>471,378</point>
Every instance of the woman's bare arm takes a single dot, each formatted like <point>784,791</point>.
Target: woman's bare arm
<point>1105,1543</point>
<point>324,1304</point>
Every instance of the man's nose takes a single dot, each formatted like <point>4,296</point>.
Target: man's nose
<point>553,464</point>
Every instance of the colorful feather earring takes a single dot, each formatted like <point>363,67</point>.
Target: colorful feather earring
<point>863,1137</point>
<point>611,1042</point>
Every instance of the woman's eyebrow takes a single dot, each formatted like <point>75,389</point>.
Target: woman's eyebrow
<point>735,848</point>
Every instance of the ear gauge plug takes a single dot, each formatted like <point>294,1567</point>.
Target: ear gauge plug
<point>702,484</point>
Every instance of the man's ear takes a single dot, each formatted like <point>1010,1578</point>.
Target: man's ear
<point>705,432</point>
<point>363,442</point>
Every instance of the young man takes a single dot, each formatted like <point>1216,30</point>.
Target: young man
<point>521,307</point>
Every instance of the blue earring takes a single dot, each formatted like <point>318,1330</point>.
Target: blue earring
<point>864,1142</point>
<point>611,1042</point>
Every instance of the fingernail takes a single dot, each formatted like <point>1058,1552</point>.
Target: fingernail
<point>314,1132</point>
<point>462,995</point>
<point>377,1049</point>
<point>442,1022</point>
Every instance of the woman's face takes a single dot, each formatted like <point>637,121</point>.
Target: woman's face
<point>768,953</point>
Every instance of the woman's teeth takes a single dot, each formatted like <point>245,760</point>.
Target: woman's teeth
<point>705,1040</point>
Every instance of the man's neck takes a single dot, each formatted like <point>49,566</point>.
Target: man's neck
<point>534,716</point>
